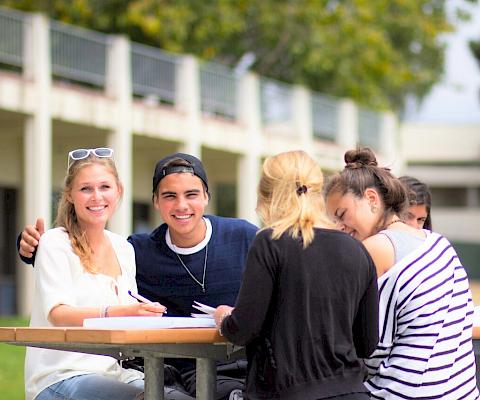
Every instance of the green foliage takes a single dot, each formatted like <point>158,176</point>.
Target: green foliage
<point>373,51</point>
<point>475,48</point>
<point>11,367</point>
<point>11,372</point>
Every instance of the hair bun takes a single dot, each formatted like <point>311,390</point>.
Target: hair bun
<point>360,158</point>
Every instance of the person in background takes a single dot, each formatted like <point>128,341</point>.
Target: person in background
<point>191,256</point>
<point>425,339</point>
<point>418,214</point>
<point>84,271</point>
<point>307,307</point>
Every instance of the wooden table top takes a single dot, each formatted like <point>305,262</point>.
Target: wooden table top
<point>113,336</point>
<point>121,336</point>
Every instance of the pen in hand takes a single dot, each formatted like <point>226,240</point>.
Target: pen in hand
<point>139,297</point>
<point>142,299</point>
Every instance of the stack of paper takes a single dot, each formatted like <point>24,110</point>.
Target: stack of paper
<point>206,310</point>
<point>148,322</point>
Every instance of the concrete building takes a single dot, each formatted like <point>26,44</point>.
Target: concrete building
<point>441,145</point>
<point>63,87</point>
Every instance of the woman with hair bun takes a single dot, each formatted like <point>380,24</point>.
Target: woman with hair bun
<point>425,338</point>
<point>307,307</point>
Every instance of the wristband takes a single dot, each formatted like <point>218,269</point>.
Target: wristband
<point>224,315</point>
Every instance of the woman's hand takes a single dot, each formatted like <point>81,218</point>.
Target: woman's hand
<point>220,313</point>
<point>63,315</point>
<point>138,310</point>
<point>30,237</point>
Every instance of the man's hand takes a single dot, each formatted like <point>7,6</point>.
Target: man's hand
<point>30,237</point>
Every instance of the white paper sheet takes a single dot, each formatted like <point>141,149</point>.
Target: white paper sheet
<point>206,310</point>
<point>148,322</point>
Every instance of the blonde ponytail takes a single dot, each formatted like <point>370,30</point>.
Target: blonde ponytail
<point>290,196</point>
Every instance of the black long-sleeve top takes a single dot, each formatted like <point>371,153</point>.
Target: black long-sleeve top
<point>306,316</point>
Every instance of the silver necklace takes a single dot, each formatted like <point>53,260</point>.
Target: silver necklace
<point>202,283</point>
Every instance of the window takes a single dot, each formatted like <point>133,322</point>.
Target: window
<point>8,236</point>
<point>141,217</point>
<point>225,198</point>
<point>449,197</point>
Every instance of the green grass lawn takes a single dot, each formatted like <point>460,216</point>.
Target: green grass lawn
<point>11,364</point>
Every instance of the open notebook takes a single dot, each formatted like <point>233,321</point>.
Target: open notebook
<point>148,322</point>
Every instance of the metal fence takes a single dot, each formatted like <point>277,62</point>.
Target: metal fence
<point>78,54</point>
<point>153,73</point>
<point>276,99</point>
<point>369,126</point>
<point>11,37</point>
<point>218,90</point>
<point>324,116</point>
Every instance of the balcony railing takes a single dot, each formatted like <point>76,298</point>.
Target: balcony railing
<point>369,128</point>
<point>11,37</point>
<point>276,102</point>
<point>153,73</point>
<point>324,116</point>
<point>218,90</point>
<point>78,54</point>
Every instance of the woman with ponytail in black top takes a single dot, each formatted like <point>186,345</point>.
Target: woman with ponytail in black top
<point>307,307</point>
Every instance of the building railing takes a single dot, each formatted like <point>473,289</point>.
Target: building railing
<point>276,99</point>
<point>369,128</point>
<point>218,90</point>
<point>11,37</point>
<point>324,116</point>
<point>153,73</point>
<point>78,54</point>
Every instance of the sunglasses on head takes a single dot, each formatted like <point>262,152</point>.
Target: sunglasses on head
<point>80,154</point>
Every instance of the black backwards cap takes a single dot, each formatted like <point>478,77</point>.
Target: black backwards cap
<point>165,167</point>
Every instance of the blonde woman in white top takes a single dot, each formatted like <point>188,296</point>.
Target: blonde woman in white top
<point>84,271</point>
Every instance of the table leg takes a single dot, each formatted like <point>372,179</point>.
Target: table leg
<point>206,379</point>
<point>154,385</point>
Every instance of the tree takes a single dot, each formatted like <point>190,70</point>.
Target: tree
<point>374,51</point>
<point>475,48</point>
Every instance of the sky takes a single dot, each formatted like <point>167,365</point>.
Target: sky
<point>456,99</point>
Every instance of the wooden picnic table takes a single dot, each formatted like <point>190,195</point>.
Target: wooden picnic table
<point>203,344</point>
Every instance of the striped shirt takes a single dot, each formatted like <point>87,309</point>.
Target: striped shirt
<point>425,331</point>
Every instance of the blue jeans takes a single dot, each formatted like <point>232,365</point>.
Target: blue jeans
<point>92,387</point>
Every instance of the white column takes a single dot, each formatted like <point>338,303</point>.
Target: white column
<point>249,165</point>
<point>187,89</point>
<point>347,137</point>
<point>37,142</point>
<point>119,88</point>
<point>302,117</point>
<point>390,142</point>
<point>188,102</point>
